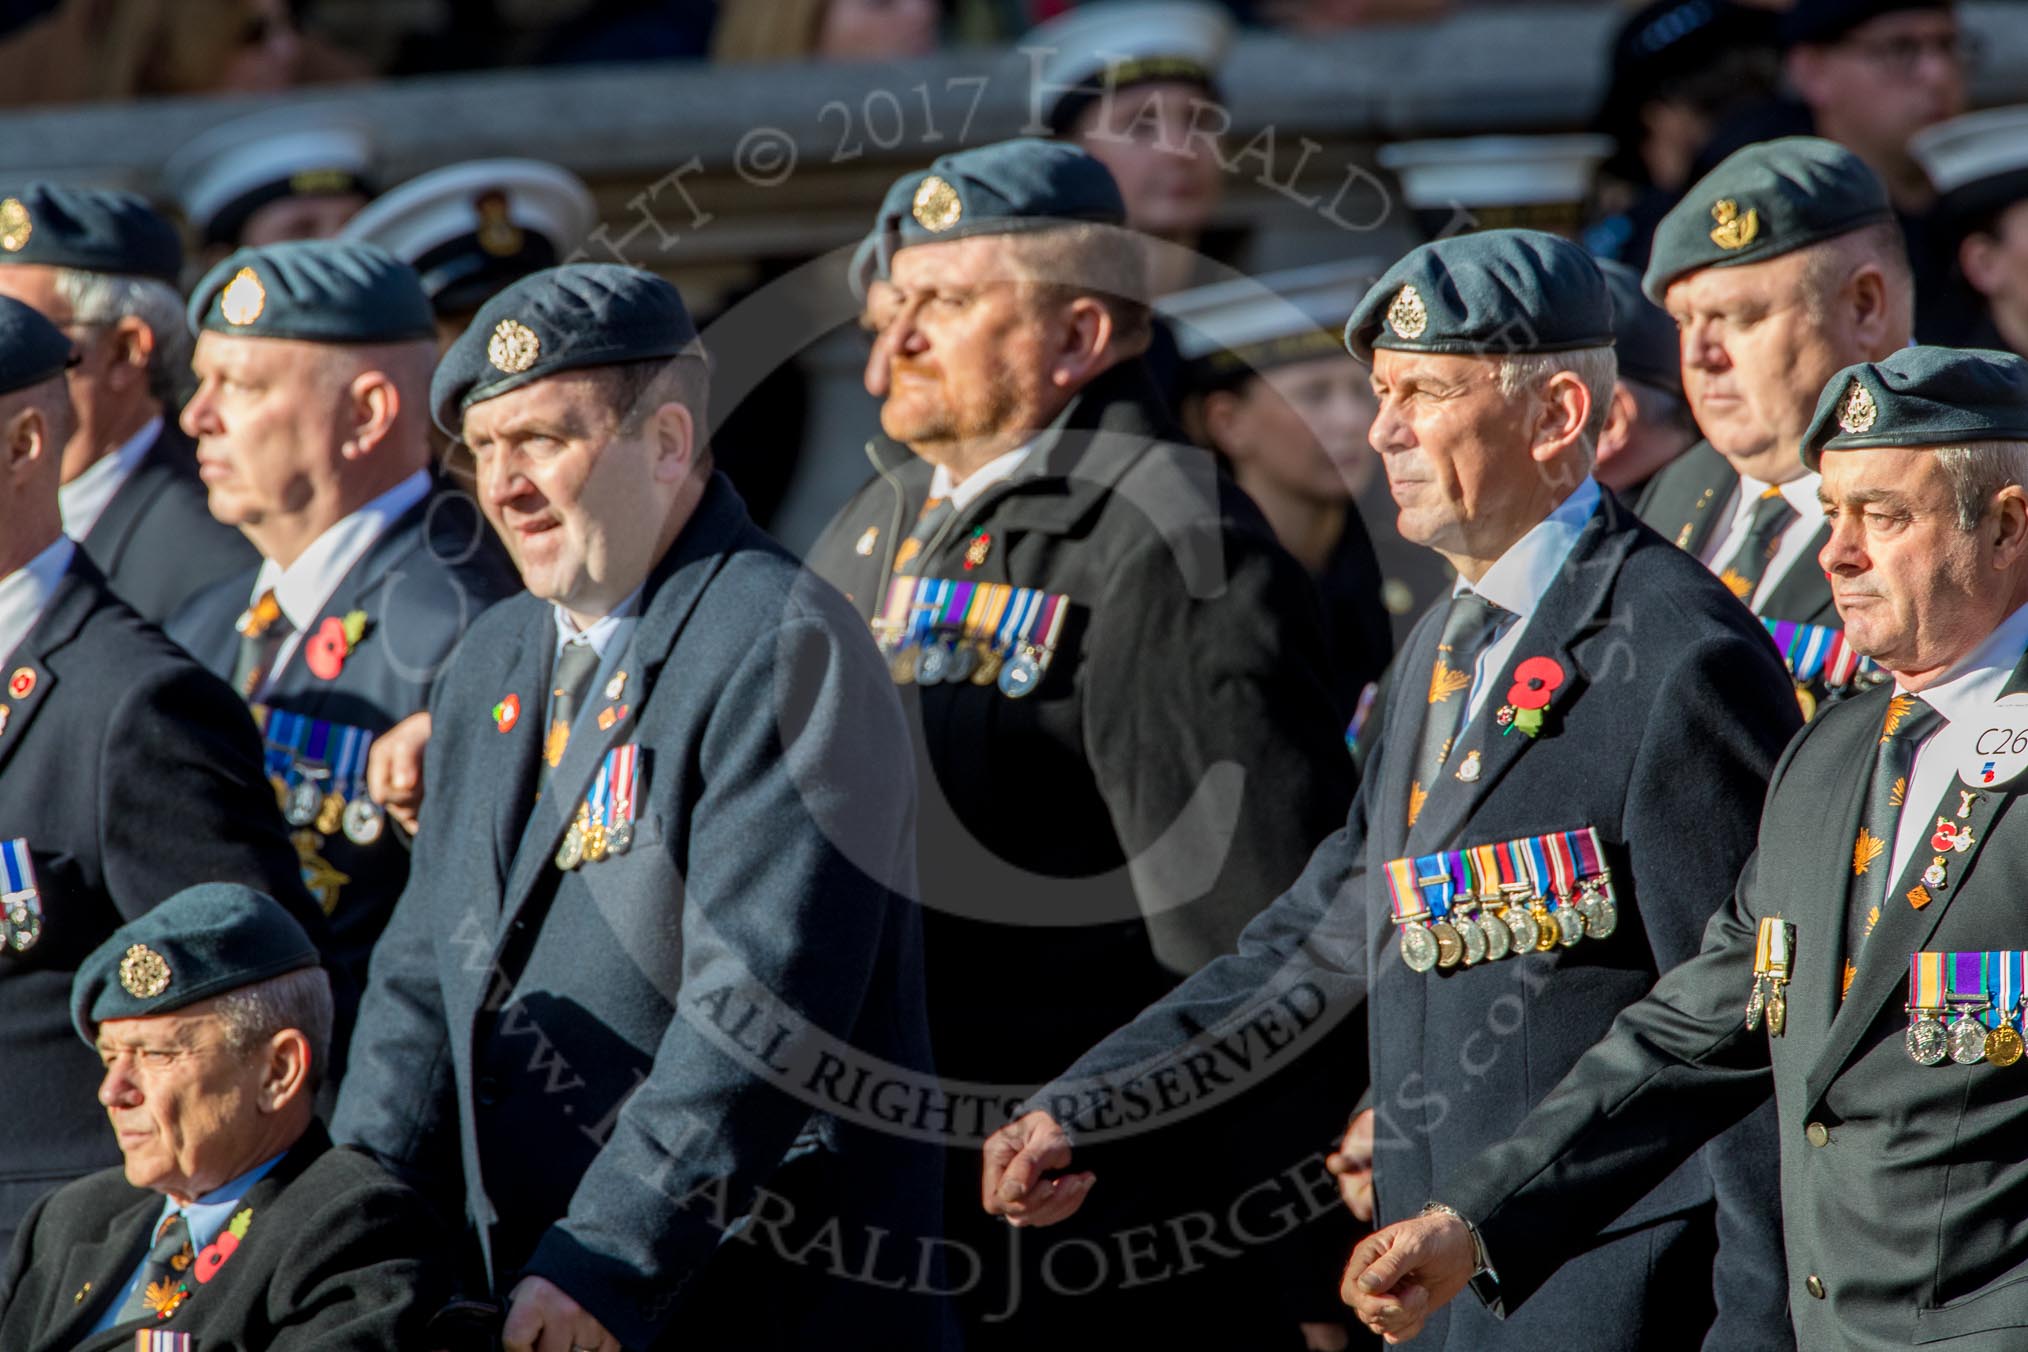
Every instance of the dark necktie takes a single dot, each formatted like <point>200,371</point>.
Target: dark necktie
<point>262,631</point>
<point>165,1276</point>
<point>1469,627</point>
<point>935,511</point>
<point>1908,724</point>
<point>1748,565</point>
<point>576,665</point>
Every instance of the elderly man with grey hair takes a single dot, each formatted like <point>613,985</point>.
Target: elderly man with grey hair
<point>233,1222</point>
<point>102,267</point>
<point>1564,785</point>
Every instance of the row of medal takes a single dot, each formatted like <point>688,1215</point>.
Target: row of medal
<point>604,824</point>
<point>20,901</point>
<point>1966,1006</point>
<point>1773,959</point>
<point>937,631</point>
<point>1480,904</point>
<point>319,773</point>
<point>1816,650</point>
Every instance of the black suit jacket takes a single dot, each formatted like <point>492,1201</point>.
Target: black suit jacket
<point>157,542</point>
<point>1686,503</point>
<point>337,1257</point>
<point>132,773</point>
<point>1903,1186</point>
<point>419,599</point>
<point>1672,715</point>
<point>598,1046</point>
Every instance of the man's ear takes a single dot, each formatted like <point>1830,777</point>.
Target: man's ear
<point>674,428</point>
<point>1619,424</point>
<point>2009,525</point>
<point>376,404</point>
<point>1223,415</point>
<point>286,1077</point>
<point>132,348</point>
<point>1563,408</point>
<point>27,439</point>
<point>1087,344</point>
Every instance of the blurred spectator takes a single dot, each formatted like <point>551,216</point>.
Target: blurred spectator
<point>1134,83</point>
<point>827,30</point>
<point>1677,67</point>
<point>1979,167</point>
<point>1650,423</point>
<point>1496,182</point>
<point>292,173</point>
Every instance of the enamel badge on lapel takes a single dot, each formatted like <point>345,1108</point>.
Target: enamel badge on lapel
<point>1468,771</point>
<point>611,715</point>
<point>976,551</point>
<point>1536,681</point>
<point>22,683</point>
<point>4,710</point>
<point>870,537</point>
<point>325,651</point>
<point>616,686</point>
<point>507,713</point>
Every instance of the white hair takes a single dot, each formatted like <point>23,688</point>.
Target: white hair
<point>1596,368</point>
<point>300,1000</point>
<point>108,297</point>
<point>1978,471</point>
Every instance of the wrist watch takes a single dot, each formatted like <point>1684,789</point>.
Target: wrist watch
<point>1485,1282</point>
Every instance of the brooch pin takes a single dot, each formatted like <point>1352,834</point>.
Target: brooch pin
<point>1536,681</point>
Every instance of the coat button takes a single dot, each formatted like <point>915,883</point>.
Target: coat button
<point>487,1091</point>
<point>1818,1134</point>
<point>1815,1286</point>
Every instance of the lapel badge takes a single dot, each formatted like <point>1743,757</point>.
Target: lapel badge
<point>1730,230</point>
<point>1856,411</point>
<point>513,348</point>
<point>3,719</point>
<point>935,205</point>
<point>82,1292</point>
<point>616,686</point>
<point>22,683</point>
<point>507,713</point>
<point>1966,797</point>
<point>243,298</point>
<point>144,973</point>
<point>15,225</point>
<point>864,548</point>
<point>611,715</point>
<point>1536,681</point>
<point>1934,877</point>
<point>1947,836</point>
<point>975,552</point>
<point>1407,315</point>
<point>325,651</point>
<point>1468,770</point>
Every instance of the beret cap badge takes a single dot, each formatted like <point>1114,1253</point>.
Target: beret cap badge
<point>1857,411</point>
<point>1407,316</point>
<point>143,972</point>
<point>1731,230</point>
<point>936,205</point>
<point>15,225</point>
<point>513,348</point>
<point>243,298</point>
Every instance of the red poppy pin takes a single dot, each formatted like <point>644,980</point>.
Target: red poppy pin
<point>1536,681</point>
<point>507,713</point>
<point>212,1257</point>
<point>325,651</point>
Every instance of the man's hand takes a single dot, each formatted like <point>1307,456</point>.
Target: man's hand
<point>541,1318</point>
<point>1352,1165</point>
<point>1018,1158</point>
<point>1400,1276</point>
<point>394,769</point>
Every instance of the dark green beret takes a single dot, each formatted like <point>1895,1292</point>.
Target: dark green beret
<point>1009,187</point>
<point>1921,396</point>
<point>1494,293</point>
<point>560,319</point>
<point>204,941</point>
<point>32,349</point>
<point>1646,338</point>
<point>1822,21</point>
<point>1771,198</point>
<point>91,229</point>
<point>317,290</point>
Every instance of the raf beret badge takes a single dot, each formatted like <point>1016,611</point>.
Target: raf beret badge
<point>513,347</point>
<point>1730,229</point>
<point>1407,316</point>
<point>143,972</point>
<point>936,205</point>
<point>243,299</point>
<point>15,225</point>
<point>1857,411</point>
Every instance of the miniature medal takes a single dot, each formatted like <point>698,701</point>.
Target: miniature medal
<point>1450,948</point>
<point>364,821</point>
<point>1418,946</point>
<point>1967,1038</point>
<point>1927,1043</point>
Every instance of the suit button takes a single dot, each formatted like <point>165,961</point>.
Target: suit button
<point>487,1091</point>
<point>1818,1134</point>
<point>1815,1286</point>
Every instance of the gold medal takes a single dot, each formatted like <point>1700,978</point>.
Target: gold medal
<point>1777,1011</point>
<point>2003,1045</point>
<point>901,666</point>
<point>594,844</point>
<point>330,815</point>
<point>1450,948</point>
<point>1548,932</point>
<point>988,670</point>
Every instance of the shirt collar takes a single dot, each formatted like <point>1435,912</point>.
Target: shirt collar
<point>1801,493</point>
<point>208,1216</point>
<point>304,586</point>
<point>979,480</point>
<point>600,634</point>
<point>84,499</point>
<point>1975,682</point>
<point>26,591</point>
<point>1520,577</point>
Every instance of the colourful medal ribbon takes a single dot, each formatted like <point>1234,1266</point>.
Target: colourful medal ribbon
<point>625,762</point>
<point>1562,866</point>
<point>1052,625</point>
<point>1926,980</point>
<point>1403,891</point>
<point>18,866</point>
<point>1509,865</point>
<point>1783,632</point>
<point>1464,882</point>
<point>1763,946</point>
<point>602,790</point>
<point>1486,867</point>
<point>1965,977</point>
<point>352,763</point>
<point>1816,641</point>
<point>2013,968</point>
<point>894,615</point>
<point>956,603</point>
<point>1584,845</point>
<point>1433,876</point>
<point>1020,614</point>
<point>1537,856</point>
<point>1000,595</point>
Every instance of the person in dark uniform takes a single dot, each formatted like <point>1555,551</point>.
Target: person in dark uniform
<point>102,267</point>
<point>233,1222</point>
<point>1272,393</point>
<point>663,874</point>
<point>313,362</point>
<point>1127,726</point>
<point>1979,164</point>
<point>126,773</point>
<point>1650,424</point>
<point>278,175</point>
<point>1780,266</point>
<point>1866,969</point>
<point>1519,865</point>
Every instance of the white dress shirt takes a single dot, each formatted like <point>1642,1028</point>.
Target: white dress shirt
<point>979,480</point>
<point>84,499</point>
<point>303,588</point>
<point>1796,538</point>
<point>1520,578</point>
<point>602,632</point>
<point>25,592</point>
<point>1966,691</point>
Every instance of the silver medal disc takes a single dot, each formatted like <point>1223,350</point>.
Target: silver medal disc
<point>23,932</point>
<point>1522,927</point>
<point>1020,677</point>
<point>306,798</point>
<point>1571,926</point>
<point>1499,939</point>
<point>931,663</point>
<point>1927,1043</point>
<point>1474,938</point>
<point>1418,946</point>
<point>1603,920</point>
<point>964,661</point>
<point>1755,1002</point>
<point>620,838</point>
<point>364,821</point>
<point>1968,1041</point>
